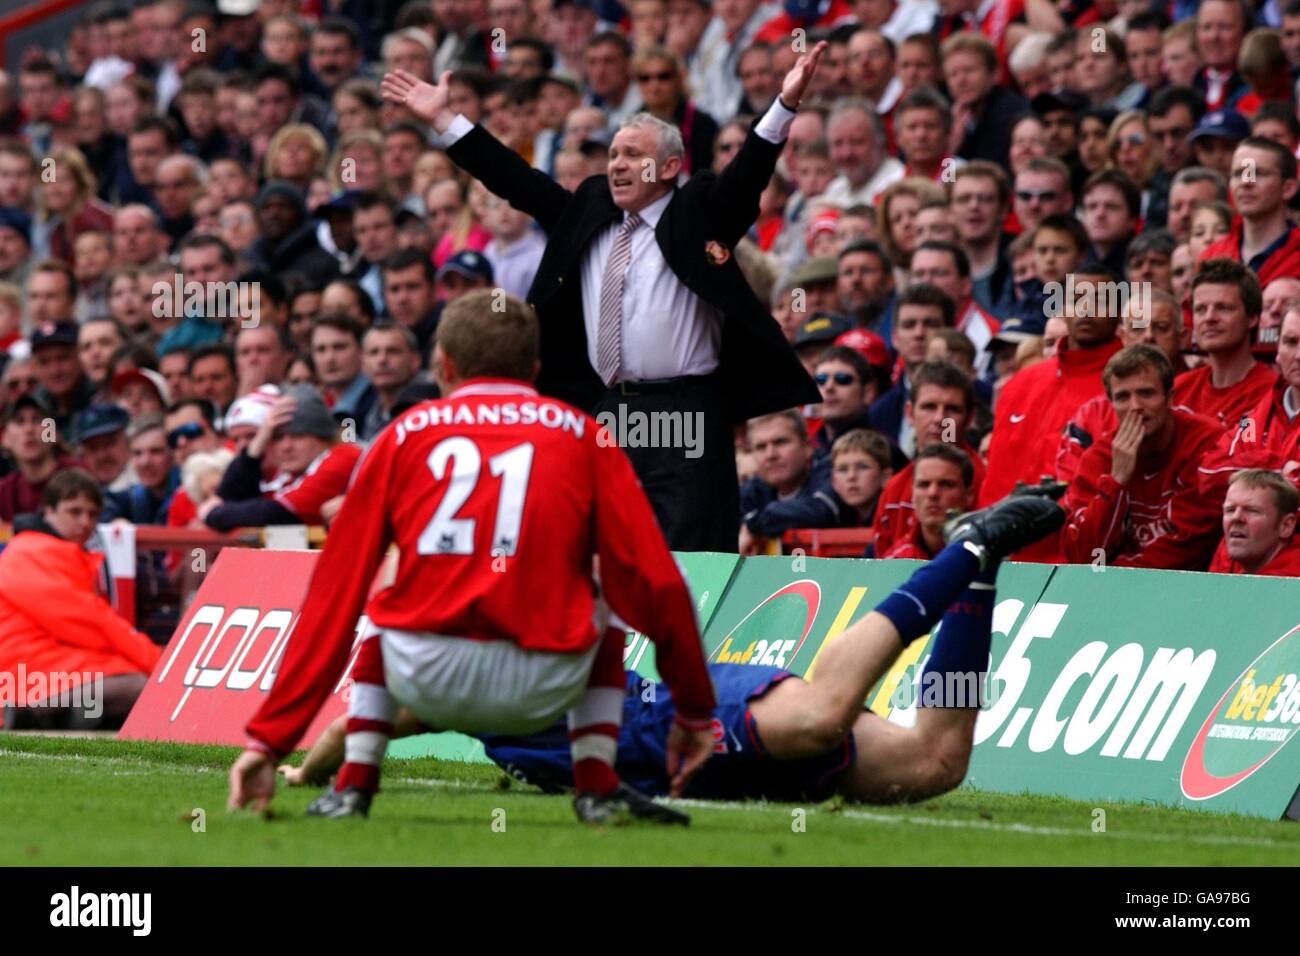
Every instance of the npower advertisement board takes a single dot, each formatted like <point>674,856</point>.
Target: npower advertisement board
<point>1106,684</point>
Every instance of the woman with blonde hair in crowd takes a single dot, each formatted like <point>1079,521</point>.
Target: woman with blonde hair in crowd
<point>296,153</point>
<point>1135,152</point>
<point>896,220</point>
<point>357,162</point>
<point>68,206</point>
<point>1211,221</point>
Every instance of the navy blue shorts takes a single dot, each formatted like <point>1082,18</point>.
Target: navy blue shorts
<point>740,767</point>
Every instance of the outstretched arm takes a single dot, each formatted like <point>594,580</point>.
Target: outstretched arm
<point>743,180</point>
<point>477,151</point>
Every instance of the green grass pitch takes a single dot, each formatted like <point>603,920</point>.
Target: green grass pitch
<point>104,802</point>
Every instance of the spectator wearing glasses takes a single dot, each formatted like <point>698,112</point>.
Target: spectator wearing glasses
<point>1264,238</point>
<point>191,430</point>
<point>663,90</point>
<point>1042,189</point>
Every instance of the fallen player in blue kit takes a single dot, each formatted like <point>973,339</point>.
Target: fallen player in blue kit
<point>780,737</point>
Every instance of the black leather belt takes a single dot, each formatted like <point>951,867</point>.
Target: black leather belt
<point>661,386</point>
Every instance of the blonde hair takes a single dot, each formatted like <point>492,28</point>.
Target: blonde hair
<point>864,441</point>
<point>200,465</point>
<point>293,131</point>
<point>484,340</point>
<point>368,138</point>
<point>70,159</point>
<point>919,189</point>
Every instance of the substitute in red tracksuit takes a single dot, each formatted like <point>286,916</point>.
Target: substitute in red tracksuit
<point>1265,437</point>
<point>939,411</point>
<point>941,483</point>
<point>1282,260</point>
<point>895,513</point>
<point>1033,410</point>
<point>1197,392</point>
<point>1135,498</point>
<point>498,500</point>
<point>1259,522</point>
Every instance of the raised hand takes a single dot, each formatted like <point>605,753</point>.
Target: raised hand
<point>425,100</point>
<point>796,81</point>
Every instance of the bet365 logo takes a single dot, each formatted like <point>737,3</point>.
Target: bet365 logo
<point>1253,720</point>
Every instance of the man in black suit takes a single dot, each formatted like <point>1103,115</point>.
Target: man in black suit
<point>645,314</point>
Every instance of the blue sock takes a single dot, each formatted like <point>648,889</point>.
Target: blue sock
<point>919,603</point>
<point>955,671</point>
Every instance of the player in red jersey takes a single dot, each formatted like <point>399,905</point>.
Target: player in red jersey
<point>497,499</point>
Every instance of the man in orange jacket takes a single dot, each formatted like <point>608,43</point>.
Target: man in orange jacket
<point>67,660</point>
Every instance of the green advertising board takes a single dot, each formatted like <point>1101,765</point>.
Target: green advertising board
<point>1107,684</point>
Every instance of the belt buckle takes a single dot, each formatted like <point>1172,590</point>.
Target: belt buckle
<point>627,389</point>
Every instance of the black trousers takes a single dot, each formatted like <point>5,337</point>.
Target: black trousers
<point>679,440</point>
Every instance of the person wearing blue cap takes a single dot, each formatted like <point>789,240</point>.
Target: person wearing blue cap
<point>104,451</point>
<point>1215,138</point>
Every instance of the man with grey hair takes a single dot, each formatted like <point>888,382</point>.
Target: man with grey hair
<point>645,314</point>
<point>856,137</point>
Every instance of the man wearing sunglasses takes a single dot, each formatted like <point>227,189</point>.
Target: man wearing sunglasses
<point>659,79</point>
<point>1042,188</point>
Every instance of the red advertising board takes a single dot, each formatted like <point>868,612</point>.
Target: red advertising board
<point>223,658</point>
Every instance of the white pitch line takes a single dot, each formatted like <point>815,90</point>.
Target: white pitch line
<point>866,816</point>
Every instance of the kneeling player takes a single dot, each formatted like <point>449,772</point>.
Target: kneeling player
<point>498,500</point>
<point>779,737</point>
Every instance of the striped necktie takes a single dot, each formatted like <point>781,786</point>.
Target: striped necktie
<point>609,338</point>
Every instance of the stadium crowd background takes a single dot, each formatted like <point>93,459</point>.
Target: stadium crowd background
<point>953,166</point>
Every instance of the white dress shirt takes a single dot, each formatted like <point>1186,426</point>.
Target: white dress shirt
<point>667,330</point>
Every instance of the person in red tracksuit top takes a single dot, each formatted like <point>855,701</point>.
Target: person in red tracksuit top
<point>1263,238</point>
<point>941,484</point>
<point>1096,417</point>
<point>1134,502</point>
<point>1259,521</point>
<point>1038,402</point>
<point>1226,303</point>
<point>940,410</point>
<point>1268,436</point>
<point>498,500</point>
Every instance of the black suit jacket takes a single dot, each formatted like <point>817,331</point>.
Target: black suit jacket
<point>696,234</point>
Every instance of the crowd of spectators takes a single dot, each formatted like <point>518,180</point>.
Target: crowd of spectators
<point>223,254</point>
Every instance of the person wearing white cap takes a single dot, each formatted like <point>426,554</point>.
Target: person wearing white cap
<point>315,467</point>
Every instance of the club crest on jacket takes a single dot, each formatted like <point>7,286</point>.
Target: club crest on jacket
<point>717,253</point>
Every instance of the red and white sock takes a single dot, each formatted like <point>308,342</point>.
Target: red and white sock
<point>371,714</point>
<point>595,720</point>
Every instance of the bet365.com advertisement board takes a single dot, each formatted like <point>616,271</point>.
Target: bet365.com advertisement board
<point>1115,684</point>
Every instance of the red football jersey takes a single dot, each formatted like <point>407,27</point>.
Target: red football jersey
<point>325,478</point>
<point>497,499</point>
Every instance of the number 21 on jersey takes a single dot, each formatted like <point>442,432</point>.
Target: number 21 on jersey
<point>460,461</point>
